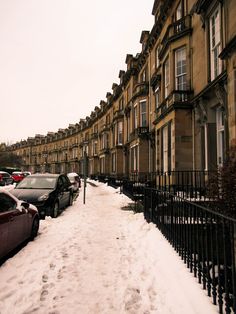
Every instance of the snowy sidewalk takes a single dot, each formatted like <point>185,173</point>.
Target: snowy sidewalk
<point>99,259</point>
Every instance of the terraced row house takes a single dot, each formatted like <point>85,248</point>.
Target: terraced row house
<point>173,109</point>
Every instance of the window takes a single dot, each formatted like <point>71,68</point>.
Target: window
<point>180,69</point>
<point>135,116</point>
<point>105,141</point>
<point>165,149</point>
<point>74,153</point>
<point>128,127</point>
<point>134,158</point>
<point>157,97</point>
<point>166,77</point>
<point>120,133</point>
<point>102,164</point>
<point>114,162</point>
<point>128,93</point>
<point>157,58</point>
<point>114,135</point>
<point>143,113</point>
<point>108,119</point>
<point>7,203</point>
<point>220,136</point>
<point>179,11</point>
<point>143,76</point>
<point>121,104</point>
<point>215,44</point>
<point>95,148</point>
<point>179,24</point>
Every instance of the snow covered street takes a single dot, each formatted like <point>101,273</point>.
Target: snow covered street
<point>99,259</point>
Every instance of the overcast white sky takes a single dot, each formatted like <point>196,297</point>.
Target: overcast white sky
<point>59,58</point>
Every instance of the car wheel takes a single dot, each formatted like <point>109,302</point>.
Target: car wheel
<point>70,200</point>
<point>55,210</point>
<point>35,228</point>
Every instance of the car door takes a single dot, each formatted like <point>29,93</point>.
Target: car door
<point>64,191</point>
<point>4,225</point>
<point>61,192</point>
<point>67,189</point>
<point>17,226</point>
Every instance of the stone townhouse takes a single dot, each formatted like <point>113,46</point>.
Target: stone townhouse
<point>173,108</point>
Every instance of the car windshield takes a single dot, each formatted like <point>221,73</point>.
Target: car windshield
<point>37,183</point>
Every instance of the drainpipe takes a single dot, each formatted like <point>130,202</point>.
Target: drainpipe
<point>150,112</point>
<point>193,135</point>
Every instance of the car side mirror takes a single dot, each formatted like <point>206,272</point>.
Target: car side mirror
<point>25,205</point>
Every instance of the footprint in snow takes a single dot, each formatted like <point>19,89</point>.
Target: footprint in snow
<point>132,300</point>
<point>52,266</point>
<point>44,278</point>
<point>59,274</point>
<point>43,295</point>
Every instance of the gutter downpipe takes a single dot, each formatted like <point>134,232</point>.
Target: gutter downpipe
<point>150,112</point>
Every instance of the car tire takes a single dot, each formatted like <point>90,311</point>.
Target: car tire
<point>35,228</point>
<point>55,210</point>
<point>70,200</point>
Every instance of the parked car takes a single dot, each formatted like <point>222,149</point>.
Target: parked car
<point>26,173</point>
<point>75,181</point>
<point>19,221</point>
<point>5,178</point>
<point>49,192</point>
<point>17,176</point>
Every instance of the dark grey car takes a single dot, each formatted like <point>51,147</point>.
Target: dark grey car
<point>49,192</point>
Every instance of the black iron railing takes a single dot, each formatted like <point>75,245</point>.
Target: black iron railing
<point>179,204</point>
<point>204,239</point>
<point>192,185</point>
<point>186,184</point>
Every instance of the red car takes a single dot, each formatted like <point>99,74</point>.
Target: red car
<point>17,176</point>
<point>19,221</point>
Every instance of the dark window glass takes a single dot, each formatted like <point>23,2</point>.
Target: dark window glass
<point>6,203</point>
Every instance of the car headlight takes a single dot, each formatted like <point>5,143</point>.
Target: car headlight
<point>43,197</point>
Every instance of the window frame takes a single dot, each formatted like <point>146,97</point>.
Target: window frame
<point>120,133</point>
<point>143,114</point>
<point>220,133</point>
<point>166,77</point>
<point>135,116</point>
<point>215,42</point>
<point>181,78</point>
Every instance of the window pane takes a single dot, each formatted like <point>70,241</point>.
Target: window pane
<point>180,69</point>
<point>215,44</point>
<point>143,113</point>
<point>167,77</point>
